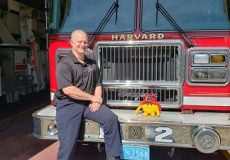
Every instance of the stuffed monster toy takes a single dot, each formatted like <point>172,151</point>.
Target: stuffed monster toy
<point>149,105</point>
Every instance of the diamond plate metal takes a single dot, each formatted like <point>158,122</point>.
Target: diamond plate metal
<point>176,117</point>
<point>49,111</point>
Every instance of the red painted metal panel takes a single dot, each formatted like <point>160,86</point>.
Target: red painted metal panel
<point>208,39</point>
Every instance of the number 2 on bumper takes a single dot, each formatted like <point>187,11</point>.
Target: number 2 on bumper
<point>165,131</point>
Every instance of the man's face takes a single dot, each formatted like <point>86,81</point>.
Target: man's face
<point>79,43</point>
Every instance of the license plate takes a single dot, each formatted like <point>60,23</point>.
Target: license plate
<point>135,152</point>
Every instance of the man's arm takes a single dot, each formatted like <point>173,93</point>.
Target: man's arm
<point>98,91</point>
<point>78,94</point>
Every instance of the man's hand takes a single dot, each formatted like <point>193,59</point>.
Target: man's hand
<point>93,106</point>
<point>97,99</point>
<point>96,102</point>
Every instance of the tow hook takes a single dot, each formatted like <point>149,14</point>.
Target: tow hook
<point>171,153</point>
<point>100,147</point>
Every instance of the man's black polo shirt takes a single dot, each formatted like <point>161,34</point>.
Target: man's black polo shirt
<point>71,72</point>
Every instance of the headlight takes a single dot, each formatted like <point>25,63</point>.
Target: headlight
<point>218,74</point>
<point>52,129</point>
<point>218,58</point>
<point>200,58</point>
<point>199,74</point>
<point>209,59</point>
<point>208,66</point>
<point>208,75</point>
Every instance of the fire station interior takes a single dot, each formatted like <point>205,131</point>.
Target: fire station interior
<point>23,49</point>
<point>23,56</point>
<point>24,77</point>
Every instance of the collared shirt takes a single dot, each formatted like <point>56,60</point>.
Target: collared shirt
<point>71,72</point>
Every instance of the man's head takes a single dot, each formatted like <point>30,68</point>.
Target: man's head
<point>79,42</point>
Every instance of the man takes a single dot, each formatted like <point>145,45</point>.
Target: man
<point>80,96</point>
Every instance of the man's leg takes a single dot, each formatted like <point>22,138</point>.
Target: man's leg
<point>109,122</point>
<point>68,117</point>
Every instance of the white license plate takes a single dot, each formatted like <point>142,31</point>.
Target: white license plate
<point>135,152</point>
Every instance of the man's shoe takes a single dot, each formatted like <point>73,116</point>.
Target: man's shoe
<point>113,158</point>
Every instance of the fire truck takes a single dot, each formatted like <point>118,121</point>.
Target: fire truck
<point>178,51</point>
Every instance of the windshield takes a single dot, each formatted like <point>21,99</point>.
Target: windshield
<point>88,14</point>
<point>68,15</point>
<point>189,15</point>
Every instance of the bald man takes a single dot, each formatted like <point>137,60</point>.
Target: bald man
<point>80,97</point>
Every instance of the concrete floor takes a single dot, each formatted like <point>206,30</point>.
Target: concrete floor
<point>16,127</point>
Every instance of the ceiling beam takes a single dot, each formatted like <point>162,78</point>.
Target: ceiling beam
<point>36,4</point>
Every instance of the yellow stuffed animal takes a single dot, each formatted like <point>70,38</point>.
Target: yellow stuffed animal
<point>149,105</point>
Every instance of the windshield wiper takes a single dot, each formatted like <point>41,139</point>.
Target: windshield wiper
<point>160,8</point>
<point>113,8</point>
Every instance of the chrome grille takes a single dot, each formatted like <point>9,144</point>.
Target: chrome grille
<point>147,63</point>
<point>132,97</point>
<point>141,67</point>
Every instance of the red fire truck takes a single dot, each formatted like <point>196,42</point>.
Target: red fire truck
<point>178,51</point>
